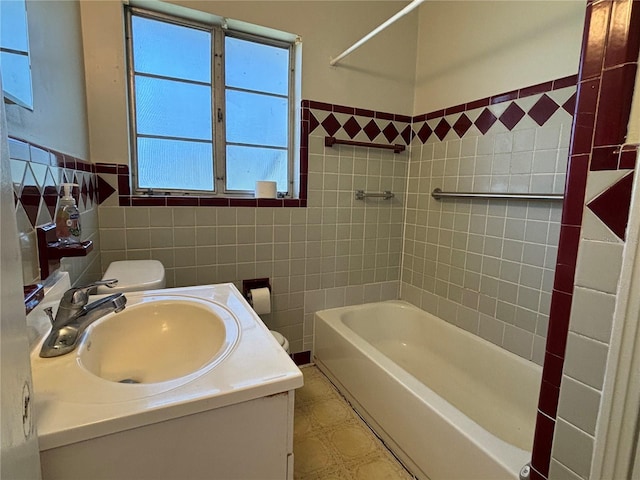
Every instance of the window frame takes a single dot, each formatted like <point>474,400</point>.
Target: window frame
<point>218,30</point>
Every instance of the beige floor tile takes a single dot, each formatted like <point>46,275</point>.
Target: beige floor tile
<point>353,441</point>
<point>311,455</point>
<point>330,412</point>
<point>379,469</point>
<point>331,442</point>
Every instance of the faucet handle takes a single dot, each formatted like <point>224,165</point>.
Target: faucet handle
<point>80,295</point>
<point>111,282</point>
<point>49,312</point>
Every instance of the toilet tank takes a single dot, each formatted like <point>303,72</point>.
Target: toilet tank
<point>134,275</point>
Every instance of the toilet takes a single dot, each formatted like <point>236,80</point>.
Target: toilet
<point>284,343</point>
<point>134,276</point>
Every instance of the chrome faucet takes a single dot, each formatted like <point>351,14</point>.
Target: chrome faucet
<point>74,316</point>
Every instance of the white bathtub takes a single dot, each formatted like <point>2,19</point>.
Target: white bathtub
<point>448,403</point>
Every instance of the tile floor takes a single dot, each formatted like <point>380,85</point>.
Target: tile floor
<point>330,441</point>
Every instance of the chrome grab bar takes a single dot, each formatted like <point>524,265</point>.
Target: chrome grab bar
<point>438,194</point>
<point>387,195</point>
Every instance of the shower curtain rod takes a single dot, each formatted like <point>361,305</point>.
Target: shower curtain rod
<point>377,30</point>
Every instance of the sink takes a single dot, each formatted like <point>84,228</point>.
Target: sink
<point>161,338</point>
<point>195,350</point>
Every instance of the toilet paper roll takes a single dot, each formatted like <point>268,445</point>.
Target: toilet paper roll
<point>261,300</point>
<point>266,189</point>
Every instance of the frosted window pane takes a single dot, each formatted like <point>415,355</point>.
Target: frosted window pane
<point>171,50</point>
<point>256,119</point>
<point>174,109</point>
<point>255,66</point>
<point>16,78</point>
<point>174,164</point>
<point>13,25</point>
<point>246,165</point>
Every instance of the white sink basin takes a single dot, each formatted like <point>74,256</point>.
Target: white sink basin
<point>162,338</point>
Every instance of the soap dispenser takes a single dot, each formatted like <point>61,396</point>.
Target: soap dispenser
<point>68,217</point>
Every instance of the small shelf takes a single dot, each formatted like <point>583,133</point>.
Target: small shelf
<point>331,141</point>
<point>58,250</point>
<point>50,251</point>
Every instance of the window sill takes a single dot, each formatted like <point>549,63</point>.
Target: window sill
<point>203,201</point>
<point>114,182</point>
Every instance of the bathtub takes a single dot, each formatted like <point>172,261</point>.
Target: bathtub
<point>449,404</point>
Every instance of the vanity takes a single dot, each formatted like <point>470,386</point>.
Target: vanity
<point>184,383</point>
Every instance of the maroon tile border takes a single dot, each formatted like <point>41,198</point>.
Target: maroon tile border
<point>541,455</point>
<point>548,403</point>
<point>48,156</point>
<point>416,126</point>
<point>329,107</point>
<point>557,84</point>
<point>628,156</point>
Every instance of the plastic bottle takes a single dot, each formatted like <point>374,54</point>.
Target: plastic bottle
<point>68,227</point>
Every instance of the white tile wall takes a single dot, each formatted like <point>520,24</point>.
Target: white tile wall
<point>559,472</point>
<point>598,265</point>
<point>573,448</point>
<point>579,404</point>
<point>487,265</point>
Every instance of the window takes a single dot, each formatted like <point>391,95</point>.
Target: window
<point>14,53</point>
<point>210,108</point>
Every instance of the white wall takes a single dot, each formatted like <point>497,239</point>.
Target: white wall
<point>379,76</point>
<point>469,50</point>
<point>59,117</point>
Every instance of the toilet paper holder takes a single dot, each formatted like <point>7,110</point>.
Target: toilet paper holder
<point>248,285</point>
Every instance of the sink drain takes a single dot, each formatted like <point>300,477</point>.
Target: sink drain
<point>128,380</point>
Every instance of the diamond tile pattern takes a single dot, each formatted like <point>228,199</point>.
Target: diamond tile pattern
<point>372,130</point>
<point>352,127</point>
<point>485,121</point>
<point>390,132</point>
<point>313,123</point>
<point>424,133</point>
<point>612,205</point>
<point>331,124</point>
<point>407,134</point>
<point>442,129</point>
<point>37,184</point>
<point>460,119</point>
<point>104,190</point>
<point>543,109</point>
<point>462,125</point>
<point>570,105</point>
<point>512,115</point>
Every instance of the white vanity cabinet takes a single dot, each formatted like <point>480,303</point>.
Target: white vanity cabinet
<point>249,440</point>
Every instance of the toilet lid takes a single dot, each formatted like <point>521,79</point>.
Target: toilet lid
<point>278,336</point>
<point>134,275</point>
